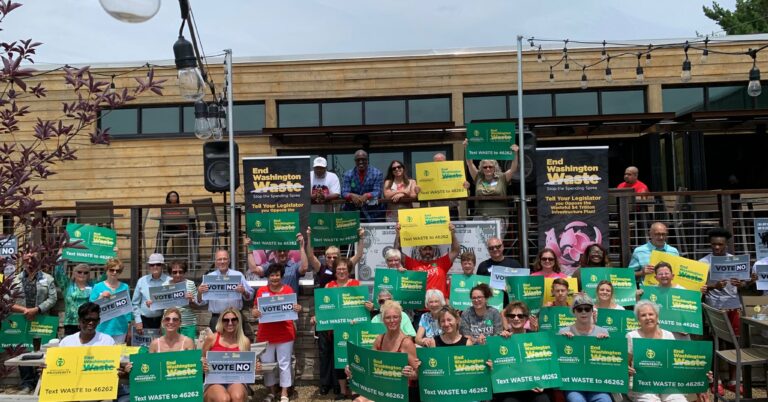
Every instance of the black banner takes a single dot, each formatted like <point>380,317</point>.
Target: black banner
<point>572,195</point>
<point>278,184</point>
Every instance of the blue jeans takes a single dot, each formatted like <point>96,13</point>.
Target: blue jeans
<point>585,396</point>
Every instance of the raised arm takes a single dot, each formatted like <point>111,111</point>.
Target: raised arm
<point>514,165</point>
<point>359,249</point>
<point>455,247</point>
<point>310,252</point>
<point>304,260</point>
<point>470,163</point>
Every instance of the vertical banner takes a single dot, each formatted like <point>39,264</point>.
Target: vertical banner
<point>441,180</point>
<point>362,334</point>
<point>460,373</point>
<point>572,199</point>
<point>761,237</point>
<point>169,376</point>
<point>622,279</point>
<point>276,185</point>
<point>527,289</point>
<point>665,366</point>
<point>424,226</point>
<point>334,228</point>
<point>490,140</point>
<point>377,375</point>
<point>523,362</point>
<point>99,243</point>
<point>594,365</point>
<point>407,288</point>
<point>84,373</point>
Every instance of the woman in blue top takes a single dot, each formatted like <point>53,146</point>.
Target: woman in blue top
<point>117,327</point>
<point>76,291</point>
<point>429,327</point>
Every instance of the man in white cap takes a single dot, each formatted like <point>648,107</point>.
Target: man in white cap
<point>143,314</point>
<point>325,185</point>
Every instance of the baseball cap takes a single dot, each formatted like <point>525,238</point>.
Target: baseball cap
<point>156,258</point>
<point>320,162</point>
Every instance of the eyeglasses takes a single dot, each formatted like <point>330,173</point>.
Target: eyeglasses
<point>547,259</point>
<point>229,320</point>
<point>397,167</point>
<point>177,272</point>
<point>155,265</point>
<point>518,316</point>
<point>90,320</point>
<point>381,301</point>
<point>489,167</point>
<point>494,248</point>
<point>115,271</point>
<point>174,319</point>
<point>585,309</point>
<point>81,272</point>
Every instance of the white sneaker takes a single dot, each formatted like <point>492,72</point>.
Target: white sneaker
<point>24,391</point>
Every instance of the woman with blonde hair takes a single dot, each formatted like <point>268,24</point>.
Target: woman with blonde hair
<point>117,327</point>
<point>491,181</point>
<point>172,340</point>
<point>229,337</point>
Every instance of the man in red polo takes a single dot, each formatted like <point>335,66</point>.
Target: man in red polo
<point>436,269</point>
<point>630,181</point>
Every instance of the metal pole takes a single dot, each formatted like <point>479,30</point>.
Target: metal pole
<point>521,154</point>
<point>233,227</point>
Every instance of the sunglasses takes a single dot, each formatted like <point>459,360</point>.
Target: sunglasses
<point>381,301</point>
<point>115,271</point>
<point>496,247</point>
<point>547,259</point>
<point>171,319</point>
<point>581,309</point>
<point>90,320</point>
<point>155,265</point>
<point>489,167</point>
<point>229,320</point>
<point>177,272</point>
<point>81,272</point>
<point>397,167</point>
<point>518,316</point>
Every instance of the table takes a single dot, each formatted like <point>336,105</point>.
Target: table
<point>746,341</point>
<point>16,361</point>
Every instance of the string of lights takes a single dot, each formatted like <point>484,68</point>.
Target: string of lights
<point>614,50</point>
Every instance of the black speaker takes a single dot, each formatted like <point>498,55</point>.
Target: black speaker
<point>216,166</point>
<point>529,147</point>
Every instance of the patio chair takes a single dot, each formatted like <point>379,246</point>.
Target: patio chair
<point>208,222</point>
<point>98,213</point>
<point>174,225</point>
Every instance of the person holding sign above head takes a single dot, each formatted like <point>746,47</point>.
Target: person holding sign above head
<point>559,292</point>
<point>480,320</point>
<point>429,325</point>
<point>144,316</point>
<point>178,270</point>
<point>605,297</point>
<point>293,270</point>
<point>76,291</point>
<point>324,271</point>
<point>436,269</point>
<point>546,265</point>
<point>453,205</point>
<point>584,326</point>
<point>491,181</point>
<point>397,185</point>
<point>361,188</point>
<point>496,251</point>
<point>216,307</point>
<point>228,337</point>
<point>117,327</point>
<point>394,340</point>
<point>280,335</point>
<point>641,256</point>
<point>647,314</point>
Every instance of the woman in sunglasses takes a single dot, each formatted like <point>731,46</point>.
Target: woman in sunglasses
<point>173,340</point>
<point>397,185</point>
<point>76,291</point>
<point>491,181</point>
<point>279,335</point>
<point>582,309</point>
<point>118,326</point>
<point>229,337</point>
<point>546,265</point>
<point>178,271</point>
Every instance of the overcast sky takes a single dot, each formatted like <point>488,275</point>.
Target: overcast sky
<point>79,31</point>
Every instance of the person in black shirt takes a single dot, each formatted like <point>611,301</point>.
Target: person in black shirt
<point>496,251</point>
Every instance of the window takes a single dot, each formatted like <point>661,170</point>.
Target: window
<point>299,114</point>
<point>248,118</point>
<point>343,113</point>
<point>623,102</point>
<point>728,98</point>
<point>385,112</point>
<point>682,100</point>
<point>485,108</point>
<point>576,103</point>
<point>534,105</point>
<point>430,110</point>
<point>120,121</point>
<point>160,120</point>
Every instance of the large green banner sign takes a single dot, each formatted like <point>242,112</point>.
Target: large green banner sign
<point>617,322</point>
<point>335,306</point>
<point>591,364</point>
<point>274,230</point>
<point>460,373</point>
<point>99,243</point>
<point>527,289</point>
<point>490,140</point>
<point>17,330</point>
<point>523,362</point>
<point>461,285</point>
<point>334,228</point>
<point>680,308</point>
<point>622,279</point>
<point>361,334</point>
<point>670,366</point>
<point>408,288</point>
<point>377,375</point>
<point>169,376</point>
<point>554,318</point>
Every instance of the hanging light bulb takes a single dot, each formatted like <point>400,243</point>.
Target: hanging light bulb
<point>566,66</point>
<point>133,11</point>
<point>111,89</point>
<point>603,55</point>
<point>648,55</point>
<point>191,83</point>
<point>214,122</point>
<point>551,76</point>
<point>539,57</point>
<point>685,74</point>
<point>583,82</point>
<point>705,52</point>
<point>202,128</point>
<point>639,73</point>
<point>754,88</point>
<point>608,75</point>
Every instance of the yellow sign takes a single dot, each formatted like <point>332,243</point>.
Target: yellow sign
<point>573,288</point>
<point>424,226</point>
<point>83,373</point>
<point>690,274</point>
<point>440,180</point>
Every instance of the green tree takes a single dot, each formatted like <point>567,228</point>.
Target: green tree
<point>749,17</point>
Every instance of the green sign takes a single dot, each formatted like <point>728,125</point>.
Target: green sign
<point>622,279</point>
<point>490,141</point>
<point>334,228</point>
<point>523,362</point>
<point>680,309</point>
<point>617,322</point>
<point>527,289</point>
<point>377,375</point>
<point>169,376</point>
<point>408,288</point>
<point>16,330</point>
<point>670,367</point>
<point>554,318</point>
<point>273,230</point>
<point>334,306</point>
<point>591,364</point>
<point>460,373</point>
<point>461,285</point>
<point>361,334</point>
<point>99,243</point>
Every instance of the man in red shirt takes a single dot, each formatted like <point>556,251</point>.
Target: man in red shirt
<point>436,269</point>
<point>630,181</point>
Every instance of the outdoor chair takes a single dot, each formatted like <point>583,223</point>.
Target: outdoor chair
<point>207,223</point>
<point>97,213</point>
<point>174,225</point>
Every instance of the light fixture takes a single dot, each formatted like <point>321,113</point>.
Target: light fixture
<point>539,58</point>
<point>223,116</point>
<point>566,66</point>
<point>648,55</point>
<point>754,88</point>
<point>133,11</point>
<point>191,83</point>
<point>551,76</point>
<point>583,82</point>
<point>608,75</point>
<point>685,74</point>
<point>111,89</point>
<point>705,52</point>
<point>214,121</point>
<point>639,73</point>
<point>202,128</point>
<point>603,56</point>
